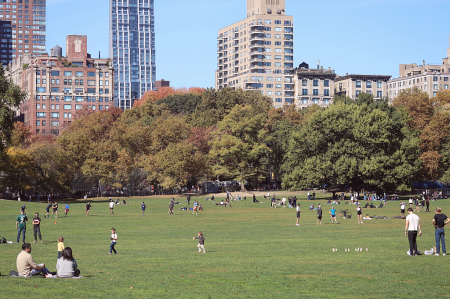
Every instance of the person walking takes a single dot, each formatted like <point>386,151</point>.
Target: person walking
<point>319,214</point>
<point>333,215</point>
<point>88,208</point>
<point>359,214</point>
<point>402,209</point>
<point>111,206</point>
<point>412,225</point>
<point>113,239</point>
<point>21,225</point>
<point>143,206</point>
<point>201,242</point>
<point>439,221</point>
<point>171,204</point>
<point>298,214</point>
<point>37,228</point>
<point>427,202</point>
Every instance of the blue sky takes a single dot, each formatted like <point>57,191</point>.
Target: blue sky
<point>350,36</point>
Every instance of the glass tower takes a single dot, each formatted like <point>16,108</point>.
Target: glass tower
<point>132,48</point>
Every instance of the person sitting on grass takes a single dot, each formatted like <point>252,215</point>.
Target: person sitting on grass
<point>66,266</point>
<point>26,266</point>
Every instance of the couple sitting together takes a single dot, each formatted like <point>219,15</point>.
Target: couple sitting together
<point>66,266</point>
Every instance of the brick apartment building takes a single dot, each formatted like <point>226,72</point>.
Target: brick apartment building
<point>59,86</point>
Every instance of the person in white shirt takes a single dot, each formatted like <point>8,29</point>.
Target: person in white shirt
<point>402,209</point>
<point>410,202</point>
<point>412,225</point>
<point>284,201</point>
<point>111,207</point>
<point>113,241</point>
<point>298,214</point>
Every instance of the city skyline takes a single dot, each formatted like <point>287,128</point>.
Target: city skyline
<point>341,34</point>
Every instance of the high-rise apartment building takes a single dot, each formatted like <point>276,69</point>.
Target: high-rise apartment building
<point>58,86</point>
<point>257,53</point>
<point>430,78</point>
<point>132,48</point>
<point>27,20</point>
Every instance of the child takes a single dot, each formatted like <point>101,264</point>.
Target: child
<point>113,241</point>
<point>66,209</point>
<point>143,206</point>
<point>201,242</point>
<point>60,246</point>
<point>298,214</point>
<point>195,208</point>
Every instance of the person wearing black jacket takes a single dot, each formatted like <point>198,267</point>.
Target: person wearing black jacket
<point>201,242</point>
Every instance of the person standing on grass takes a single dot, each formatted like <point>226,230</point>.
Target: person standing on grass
<point>298,214</point>
<point>24,209</point>
<point>113,241</point>
<point>195,209</point>
<point>201,242</point>
<point>411,226</point>
<point>111,206</point>
<point>37,228</point>
<point>359,214</point>
<point>55,209</point>
<point>48,210</point>
<point>319,214</point>
<point>189,200</point>
<point>85,198</point>
<point>402,209</point>
<point>143,206</point>
<point>439,221</point>
<point>21,225</point>
<point>88,208</point>
<point>410,202</point>
<point>333,215</point>
<point>427,202</point>
<point>171,204</point>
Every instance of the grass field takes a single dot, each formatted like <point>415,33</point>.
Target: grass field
<point>253,251</point>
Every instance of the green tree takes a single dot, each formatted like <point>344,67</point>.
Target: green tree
<point>181,103</point>
<point>351,144</point>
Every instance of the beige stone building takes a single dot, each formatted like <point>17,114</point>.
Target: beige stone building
<point>427,77</point>
<point>353,85</point>
<point>314,86</point>
<point>257,53</point>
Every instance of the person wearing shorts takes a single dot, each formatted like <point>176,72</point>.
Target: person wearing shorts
<point>195,210</point>
<point>298,214</point>
<point>111,206</point>
<point>55,210</point>
<point>171,204</point>
<point>143,206</point>
<point>48,210</point>
<point>333,215</point>
<point>402,209</point>
<point>88,208</point>
<point>319,214</point>
<point>359,214</point>
<point>66,209</point>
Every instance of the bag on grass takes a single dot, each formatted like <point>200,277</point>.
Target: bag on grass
<point>3,240</point>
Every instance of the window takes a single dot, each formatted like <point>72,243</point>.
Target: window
<point>91,90</point>
<point>435,79</point>
<point>41,89</point>
<point>277,35</point>
<point>380,84</point>
<point>326,101</point>
<point>55,114</point>
<point>368,84</point>
<point>278,64</point>
<point>445,86</point>
<point>40,114</point>
<point>445,79</point>
<point>38,123</point>
<point>91,74</point>
<point>277,28</point>
<point>91,82</point>
<point>55,89</point>
<point>326,83</point>
<point>67,89</point>
<point>38,81</point>
<point>78,107</point>
<point>67,73</point>
<point>67,98</point>
<point>315,92</point>
<point>278,57</point>
<point>38,106</point>
<point>304,82</point>
<point>305,92</point>
<point>79,74</point>
<point>316,101</point>
<point>305,101</point>
<point>278,100</point>
<point>278,93</point>
<point>269,93</point>
<point>269,85</point>
<point>265,64</point>
<point>78,99</point>
<point>67,107</point>
<point>269,79</point>
<point>278,50</point>
<point>279,79</point>
<point>358,84</point>
<point>379,94</point>
<point>315,82</point>
<point>435,86</point>
<point>55,123</point>
<point>357,92</point>
<point>326,92</point>
<point>54,73</point>
<point>278,85</point>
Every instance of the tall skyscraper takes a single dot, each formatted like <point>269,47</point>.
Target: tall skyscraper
<point>132,48</point>
<point>257,53</point>
<point>27,21</point>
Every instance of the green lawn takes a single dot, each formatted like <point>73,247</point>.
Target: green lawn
<point>253,251</point>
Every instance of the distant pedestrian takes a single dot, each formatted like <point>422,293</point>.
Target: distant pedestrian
<point>85,198</point>
<point>319,214</point>
<point>412,225</point>
<point>439,221</point>
<point>201,242</point>
<point>333,215</point>
<point>60,246</point>
<point>427,202</point>
<point>21,225</point>
<point>189,199</point>
<point>113,239</point>
<point>55,209</point>
<point>37,228</point>
<point>66,209</point>
<point>88,208</point>
<point>24,209</point>
<point>48,210</point>
<point>171,204</point>
<point>143,206</point>
<point>359,214</point>
<point>111,206</point>
<point>298,214</point>
<point>195,209</point>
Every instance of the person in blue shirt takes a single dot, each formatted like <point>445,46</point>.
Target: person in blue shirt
<point>66,209</point>
<point>333,215</point>
<point>143,206</point>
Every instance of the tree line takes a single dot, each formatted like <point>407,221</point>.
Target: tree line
<point>183,137</point>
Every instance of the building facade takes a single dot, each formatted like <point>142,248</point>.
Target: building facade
<point>5,42</point>
<point>28,27</point>
<point>314,86</point>
<point>132,48</point>
<point>257,53</point>
<point>352,85</point>
<point>59,86</point>
<point>427,77</point>
<point>161,83</point>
